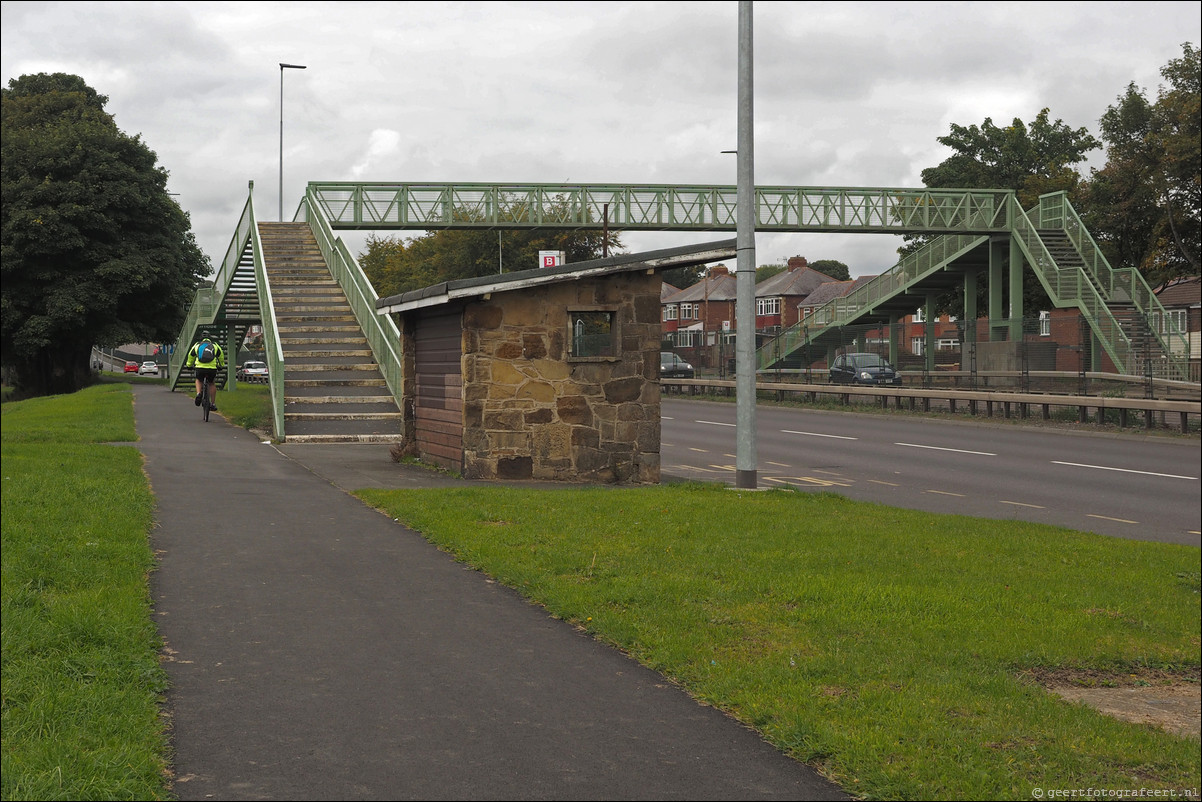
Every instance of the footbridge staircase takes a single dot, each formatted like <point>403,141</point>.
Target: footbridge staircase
<point>1124,315</point>
<point>333,368</point>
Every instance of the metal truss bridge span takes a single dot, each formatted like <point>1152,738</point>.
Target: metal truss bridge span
<point>646,207</point>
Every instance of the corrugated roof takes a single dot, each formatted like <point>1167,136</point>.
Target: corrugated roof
<point>463,289</point>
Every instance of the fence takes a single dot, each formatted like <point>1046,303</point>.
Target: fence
<point>1051,353</point>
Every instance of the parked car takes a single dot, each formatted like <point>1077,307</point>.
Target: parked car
<point>131,367</point>
<point>253,372</point>
<point>863,369</point>
<point>148,368</point>
<point>671,366</point>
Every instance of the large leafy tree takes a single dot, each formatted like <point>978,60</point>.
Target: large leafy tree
<point>1032,160</point>
<point>95,252</point>
<point>1144,205</point>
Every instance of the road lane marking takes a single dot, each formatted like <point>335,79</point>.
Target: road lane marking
<point>1108,518</point>
<point>780,464</point>
<point>716,423</point>
<point>945,493</point>
<point>816,434</point>
<point>879,482</point>
<point>1021,504</point>
<point>940,448</point>
<point>699,450</point>
<point>1124,470</point>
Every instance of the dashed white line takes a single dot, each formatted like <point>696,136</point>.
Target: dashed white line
<point>1021,504</point>
<point>940,448</point>
<point>816,434</point>
<point>716,423</point>
<point>1123,470</point>
<point>1108,518</point>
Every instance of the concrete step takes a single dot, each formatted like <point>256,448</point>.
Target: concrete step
<point>320,439</point>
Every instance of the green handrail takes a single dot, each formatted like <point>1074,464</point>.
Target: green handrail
<point>1068,286</point>
<point>271,339</point>
<point>838,311</point>
<point>1123,284</point>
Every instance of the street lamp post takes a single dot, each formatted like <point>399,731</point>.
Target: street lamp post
<point>283,67</point>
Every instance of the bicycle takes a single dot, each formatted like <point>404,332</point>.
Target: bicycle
<point>205,403</point>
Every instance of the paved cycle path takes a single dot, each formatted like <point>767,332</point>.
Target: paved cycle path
<point>319,650</point>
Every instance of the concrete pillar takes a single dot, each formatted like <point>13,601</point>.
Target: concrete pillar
<point>893,336</point>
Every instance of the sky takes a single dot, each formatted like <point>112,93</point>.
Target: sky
<point>846,94</point>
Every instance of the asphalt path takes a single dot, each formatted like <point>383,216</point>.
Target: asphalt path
<point>317,649</point>
<point>1126,485</point>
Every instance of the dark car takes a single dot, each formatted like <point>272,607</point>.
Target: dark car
<point>863,369</point>
<point>671,366</point>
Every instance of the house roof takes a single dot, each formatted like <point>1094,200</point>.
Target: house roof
<point>798,282</point>
<point>466,289</point>
<point>715,287</point>
<point>827,292</point>
<point>666,291</point>
<point>1182,292</point>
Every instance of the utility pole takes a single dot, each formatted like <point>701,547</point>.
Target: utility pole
<point>745,456</point>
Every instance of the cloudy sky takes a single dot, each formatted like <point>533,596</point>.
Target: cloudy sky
<point>847,94</point>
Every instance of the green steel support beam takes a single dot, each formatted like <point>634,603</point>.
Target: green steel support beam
<point>893,335</point>
<point>928,315</point>
<point>231,358</point>
<point>1016,292</point>
<point>997,313</point>
<point>970,306</point>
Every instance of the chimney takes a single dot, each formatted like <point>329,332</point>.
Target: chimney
<point>719,270</point>
<point>797,263</point>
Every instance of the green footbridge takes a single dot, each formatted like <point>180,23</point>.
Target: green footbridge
<point>308,292</point>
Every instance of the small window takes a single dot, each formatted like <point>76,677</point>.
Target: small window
<point>592,334</point>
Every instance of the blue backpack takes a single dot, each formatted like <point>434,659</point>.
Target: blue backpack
<point>206,352</point>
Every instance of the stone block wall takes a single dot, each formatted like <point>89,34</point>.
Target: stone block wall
<point>532,411</point>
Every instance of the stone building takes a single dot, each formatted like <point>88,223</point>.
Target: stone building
<point>549,374</point>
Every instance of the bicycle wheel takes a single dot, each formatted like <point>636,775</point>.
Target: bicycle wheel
<point>204,398</point>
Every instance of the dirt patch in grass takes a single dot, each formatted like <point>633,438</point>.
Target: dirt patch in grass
<point>1166,699</point>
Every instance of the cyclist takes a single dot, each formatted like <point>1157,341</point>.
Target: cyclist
<point>206,358</point>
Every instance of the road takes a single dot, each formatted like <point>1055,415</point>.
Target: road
<point>1132,486</point>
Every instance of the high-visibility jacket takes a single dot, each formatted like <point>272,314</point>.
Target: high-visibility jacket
<point>217,362</point>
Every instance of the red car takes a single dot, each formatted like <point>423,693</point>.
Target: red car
<point>131,367</point>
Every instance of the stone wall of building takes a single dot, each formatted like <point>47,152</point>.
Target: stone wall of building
<point>531,411</point>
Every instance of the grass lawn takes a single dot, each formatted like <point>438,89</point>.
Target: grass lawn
<point>890,648</point>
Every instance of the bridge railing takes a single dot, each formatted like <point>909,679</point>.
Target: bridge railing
<point>1122,284</point>
<point>652,207</point>
<point>381,331</point>
<point>207,302</point>
<point>904,274</point>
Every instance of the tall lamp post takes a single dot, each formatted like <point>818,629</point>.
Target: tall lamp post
<point>283,67</point>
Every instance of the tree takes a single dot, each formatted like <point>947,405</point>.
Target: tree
<point>395,265</point>
<point>1032,161</point>
<point>833,268</point>
<point>95,252</point>
<point>1143,205</point>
